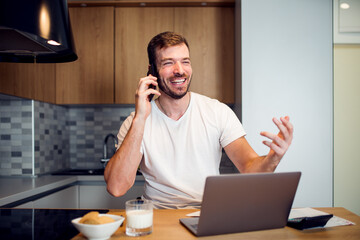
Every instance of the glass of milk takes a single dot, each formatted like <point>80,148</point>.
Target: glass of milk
<point>139,217</point>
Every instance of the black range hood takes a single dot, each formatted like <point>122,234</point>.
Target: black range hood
<point>35,31</point>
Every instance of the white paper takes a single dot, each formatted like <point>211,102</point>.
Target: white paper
<point>310,212</point>
<point>305,212</point>
<point>194,214</point>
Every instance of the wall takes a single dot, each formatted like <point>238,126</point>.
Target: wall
<point>287,70</point>
<point>16,137</point>
<point>39,138</point>
<point>346,127</point>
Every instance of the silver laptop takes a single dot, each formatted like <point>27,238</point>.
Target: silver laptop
<point>244,202</point>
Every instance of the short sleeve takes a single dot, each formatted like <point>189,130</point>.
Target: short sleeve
<point>230,126</point>
<point>124,129</point>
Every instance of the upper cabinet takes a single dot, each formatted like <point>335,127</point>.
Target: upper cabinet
<point>111,40</point>
<point>90,79</point>
<point>134,29</point>
<point>209,31</point>
<point>28,80</point>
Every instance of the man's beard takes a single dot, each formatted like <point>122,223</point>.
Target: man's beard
<point>163,87</point>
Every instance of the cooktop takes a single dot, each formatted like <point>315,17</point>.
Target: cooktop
<point>37,224</point>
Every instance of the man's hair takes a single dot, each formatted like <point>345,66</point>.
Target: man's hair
<point>164,39</point>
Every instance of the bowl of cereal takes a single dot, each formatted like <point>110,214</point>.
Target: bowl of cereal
<point>97,226</point>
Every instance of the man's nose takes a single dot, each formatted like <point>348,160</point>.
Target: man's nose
<point>178,68</point>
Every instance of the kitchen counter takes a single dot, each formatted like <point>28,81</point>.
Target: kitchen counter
<point>14,189</point>
<point>56,224</point>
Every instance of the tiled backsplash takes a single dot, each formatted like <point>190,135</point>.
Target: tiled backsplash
<point>88,128</point>
<point>16,137</point>
<point>39,138</point>
<point>51,136</point>
<point>64,137</point>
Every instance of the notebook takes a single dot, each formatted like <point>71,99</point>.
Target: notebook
<point>244,202</point>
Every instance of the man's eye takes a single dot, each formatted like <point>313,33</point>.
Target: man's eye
<point>167,63</point>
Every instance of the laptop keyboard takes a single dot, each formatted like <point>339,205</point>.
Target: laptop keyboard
<point>195,226</point>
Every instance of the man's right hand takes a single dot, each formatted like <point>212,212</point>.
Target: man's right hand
<point>142,103</point>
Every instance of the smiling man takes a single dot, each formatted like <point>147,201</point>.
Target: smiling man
<point>178,138</point>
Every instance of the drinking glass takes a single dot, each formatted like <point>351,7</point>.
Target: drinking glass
<point>139,217</point>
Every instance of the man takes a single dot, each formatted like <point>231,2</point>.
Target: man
<point>177,139</point>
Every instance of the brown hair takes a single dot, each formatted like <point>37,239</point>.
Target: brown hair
<point>164,39</point>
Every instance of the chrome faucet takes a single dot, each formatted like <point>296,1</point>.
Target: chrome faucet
<point>105,158</point>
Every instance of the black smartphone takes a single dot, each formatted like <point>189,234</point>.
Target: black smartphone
<point>152,70</point>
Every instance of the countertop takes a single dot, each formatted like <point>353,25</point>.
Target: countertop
<point>14,189</point>
<point>56,224</point>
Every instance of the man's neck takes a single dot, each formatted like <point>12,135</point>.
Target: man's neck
<point>173,108</point>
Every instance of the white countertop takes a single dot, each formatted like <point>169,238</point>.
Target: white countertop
<point>17,188</point>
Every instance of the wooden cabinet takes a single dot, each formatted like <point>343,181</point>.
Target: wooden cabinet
<point>210,34</point>
<point>209,31</point>
<point>90,79</point>
<point>111,44</point>
<point>28,80</point>
<point>134,28</point>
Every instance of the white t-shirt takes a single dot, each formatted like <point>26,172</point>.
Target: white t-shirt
<point>179,155</point>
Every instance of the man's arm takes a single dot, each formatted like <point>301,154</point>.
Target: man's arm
<point>247,160</point>
<point>120,172</point>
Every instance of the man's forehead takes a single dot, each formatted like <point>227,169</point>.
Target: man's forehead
<point>176,51</point>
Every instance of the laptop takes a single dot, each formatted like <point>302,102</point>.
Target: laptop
<point>235,203</point>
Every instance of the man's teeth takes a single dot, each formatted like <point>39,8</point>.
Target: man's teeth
<point>178,81</point>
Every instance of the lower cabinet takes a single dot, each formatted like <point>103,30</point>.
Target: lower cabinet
<point>67,198</point>
<point>86,195</point>
<point>97,197</point>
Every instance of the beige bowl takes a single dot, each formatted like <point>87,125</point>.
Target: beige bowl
<point>99,231</point>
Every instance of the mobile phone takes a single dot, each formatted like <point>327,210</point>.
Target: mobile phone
<point>152,70</point>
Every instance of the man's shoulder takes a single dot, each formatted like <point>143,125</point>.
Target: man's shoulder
<point>202,98</point>
<point>205,101</point>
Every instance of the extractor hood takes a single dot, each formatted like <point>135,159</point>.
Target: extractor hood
<point>35,31</point>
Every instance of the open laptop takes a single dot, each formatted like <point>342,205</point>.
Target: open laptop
<point>244,202</point>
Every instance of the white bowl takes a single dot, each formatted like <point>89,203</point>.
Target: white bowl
<point>98,231</point>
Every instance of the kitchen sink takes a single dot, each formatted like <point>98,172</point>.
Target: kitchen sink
<point>80,172</point>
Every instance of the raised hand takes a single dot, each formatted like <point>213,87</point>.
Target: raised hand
<point>279,143</point>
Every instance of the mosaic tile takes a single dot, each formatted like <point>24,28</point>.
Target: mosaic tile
<point>14,151</point>
<point>64,137</point>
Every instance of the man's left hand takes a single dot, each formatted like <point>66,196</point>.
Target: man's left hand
<point>280,142</point>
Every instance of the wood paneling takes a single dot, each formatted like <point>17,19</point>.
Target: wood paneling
<point>28,80</point>
<point>209,30</point>
<point>90,79</point>
<point>134,29</point>
<point>111,45</point>
<point>152,3</point>
<point>210,33</point>
<point>45,82</point>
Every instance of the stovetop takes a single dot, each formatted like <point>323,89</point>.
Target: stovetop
<point>38,224</point>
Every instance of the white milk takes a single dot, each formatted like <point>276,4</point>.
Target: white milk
<point>139,218</point>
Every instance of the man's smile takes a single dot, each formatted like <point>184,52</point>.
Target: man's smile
<point>178,81</point>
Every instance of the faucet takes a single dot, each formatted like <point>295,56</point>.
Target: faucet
<point>105,158</point>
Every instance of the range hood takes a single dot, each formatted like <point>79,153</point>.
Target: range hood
<point>35,31</point>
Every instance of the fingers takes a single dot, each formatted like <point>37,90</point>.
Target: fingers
<point>280,142</point>
<point>145,82</point>
<point>273,147</point>
<point>144,89</point>
<point>285,127</point>
<point>288,130</point>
